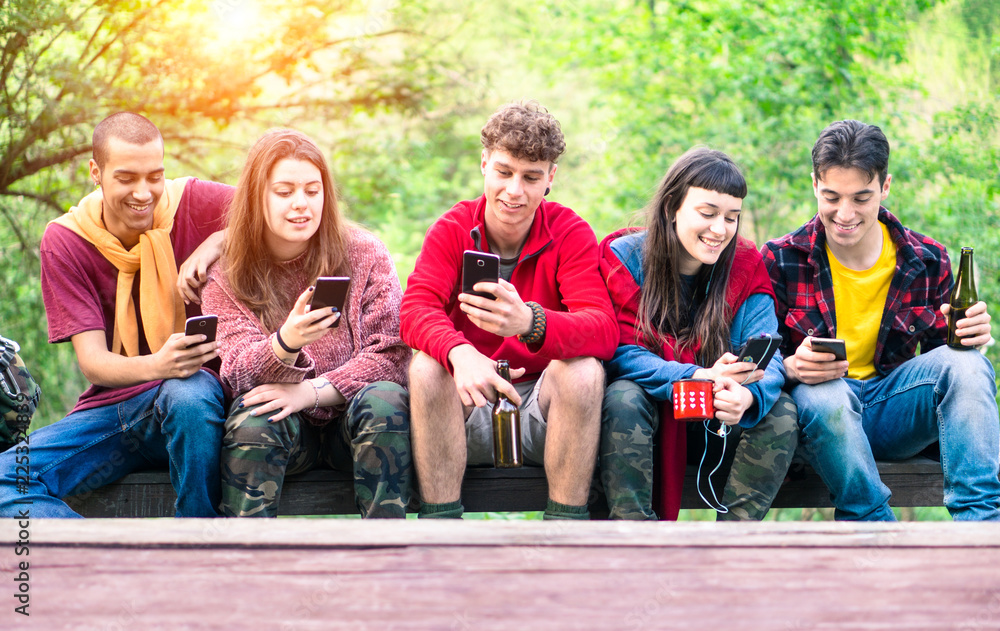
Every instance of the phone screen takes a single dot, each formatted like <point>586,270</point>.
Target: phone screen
<point>478,267</point>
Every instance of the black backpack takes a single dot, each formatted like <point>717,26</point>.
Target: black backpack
<point>19,395</point>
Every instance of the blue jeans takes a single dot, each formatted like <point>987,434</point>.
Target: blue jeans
<point>942,395</point>
<point>177,426</point>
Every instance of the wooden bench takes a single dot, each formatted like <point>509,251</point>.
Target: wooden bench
<point>914,482</point>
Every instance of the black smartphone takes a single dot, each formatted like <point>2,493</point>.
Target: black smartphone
<point>760,349</point>
<point>478,267</point>
<point>204,325</point>
<point>331,291</point>
<point>830,345</point>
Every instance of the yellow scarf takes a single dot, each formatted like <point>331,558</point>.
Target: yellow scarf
<point>154,254</point>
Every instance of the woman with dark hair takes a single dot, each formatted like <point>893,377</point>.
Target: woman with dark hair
<point>687,291</point>
<point>315,386</point>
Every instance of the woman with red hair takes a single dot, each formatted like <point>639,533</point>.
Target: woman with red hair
<point>315,386</point>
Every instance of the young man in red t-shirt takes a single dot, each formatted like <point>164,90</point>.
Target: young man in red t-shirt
<point>112,287</point>
<point>551,319</point>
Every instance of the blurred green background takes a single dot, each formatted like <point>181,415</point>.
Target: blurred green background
<point>396,93</point>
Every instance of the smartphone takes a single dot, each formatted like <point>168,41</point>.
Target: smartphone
<point>478,267</point>
<point>760,349</point>
<point>830,345</point>
<point>331,291</point>
<point>203,325</point>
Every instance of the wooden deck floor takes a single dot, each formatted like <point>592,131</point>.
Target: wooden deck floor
<point>348,574</point>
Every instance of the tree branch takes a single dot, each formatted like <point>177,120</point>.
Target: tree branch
<point>48,200</point>
<point>9,175</point>
<point>25,245</point>
<point>30,167</point>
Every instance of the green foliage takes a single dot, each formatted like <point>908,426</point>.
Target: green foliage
<point>758,80</point>
<point>398,183</point>
<point>22,319</point>
<point>196,69</point>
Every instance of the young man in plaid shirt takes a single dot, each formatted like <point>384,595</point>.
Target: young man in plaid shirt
<point>855,272</point>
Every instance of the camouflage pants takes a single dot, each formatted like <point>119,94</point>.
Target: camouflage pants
<point>371,439</point>
<point>760,456</point>
<point>761,461</point>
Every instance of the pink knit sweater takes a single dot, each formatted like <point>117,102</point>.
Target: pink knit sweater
<point>365,348</point>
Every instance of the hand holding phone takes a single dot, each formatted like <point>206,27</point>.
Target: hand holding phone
<point>331,291</point>
<point>829,345</point>
<point>759,350</point>
<point>479,267</point>
<point>206,325</point>
<point>804,367</point>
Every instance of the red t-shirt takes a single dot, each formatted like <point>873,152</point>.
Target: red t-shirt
<point>79,285</point>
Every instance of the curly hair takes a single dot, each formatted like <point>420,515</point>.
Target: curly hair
<point>526,131</point>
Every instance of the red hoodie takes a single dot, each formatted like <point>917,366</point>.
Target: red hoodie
<point>557,269</point>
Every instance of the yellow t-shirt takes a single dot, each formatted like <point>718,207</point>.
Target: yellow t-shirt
<point>859,296</point>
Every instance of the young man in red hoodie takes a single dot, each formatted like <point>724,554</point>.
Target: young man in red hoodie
<point>552,320</point>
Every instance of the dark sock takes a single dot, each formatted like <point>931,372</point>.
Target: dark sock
<point>555,510</point>
<point>450,510</point>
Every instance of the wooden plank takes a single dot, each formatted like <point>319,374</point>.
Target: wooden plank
<point>566,588</point>
<point>345,574</point>
<point>915,482</point>
<point>302,533</point>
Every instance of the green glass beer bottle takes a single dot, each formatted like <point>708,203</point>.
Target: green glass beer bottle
<point>963,296</point>
<point>506,427</point>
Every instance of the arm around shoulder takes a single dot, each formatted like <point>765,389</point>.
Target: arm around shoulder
<point>193,273</point>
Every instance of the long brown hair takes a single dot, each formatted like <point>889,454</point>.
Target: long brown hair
<point>257,278</point>
<point>663,309</point>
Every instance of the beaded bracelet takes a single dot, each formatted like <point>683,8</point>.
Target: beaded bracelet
<point>537,324</point>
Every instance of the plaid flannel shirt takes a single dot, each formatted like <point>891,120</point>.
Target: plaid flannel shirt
<point>803,288</point>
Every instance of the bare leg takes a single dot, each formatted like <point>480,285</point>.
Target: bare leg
<point>437,431</point>
<point>570,399</point>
